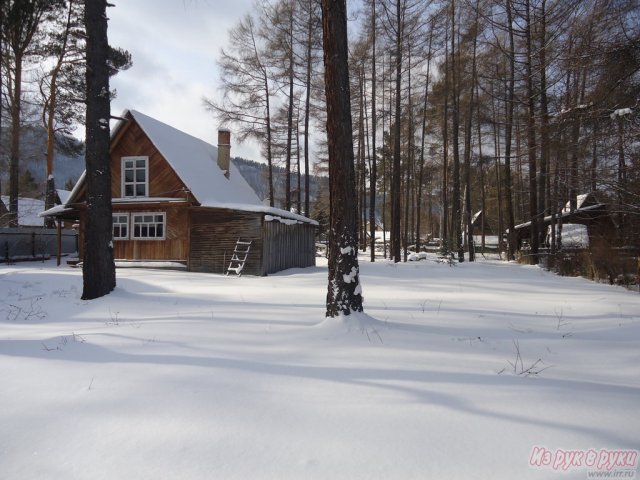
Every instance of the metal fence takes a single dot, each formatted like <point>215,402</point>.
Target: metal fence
<point>34,243</point>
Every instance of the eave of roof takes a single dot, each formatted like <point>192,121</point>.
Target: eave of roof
<point>564,214</point>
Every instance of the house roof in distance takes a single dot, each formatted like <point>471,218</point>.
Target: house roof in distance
<point>28,210</point>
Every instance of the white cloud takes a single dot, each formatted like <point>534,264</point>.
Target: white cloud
<point>174,45</point>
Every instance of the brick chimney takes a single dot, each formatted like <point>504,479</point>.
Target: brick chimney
<point>224,150</point>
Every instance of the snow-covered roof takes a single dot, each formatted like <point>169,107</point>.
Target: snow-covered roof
<point>580,199</point>
<point>56,210</point>
<point>621,112</point>
<point>196,163</point>
<point>564,214</point>
<point>63,195</point>
<point>28,211</point>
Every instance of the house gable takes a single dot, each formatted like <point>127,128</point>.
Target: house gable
<point>132,141</point>
<point>196,164</point>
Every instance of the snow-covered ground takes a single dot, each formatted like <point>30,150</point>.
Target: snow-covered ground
<point>180,375</point>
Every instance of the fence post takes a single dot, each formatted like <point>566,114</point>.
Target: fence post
<point>58,241</point>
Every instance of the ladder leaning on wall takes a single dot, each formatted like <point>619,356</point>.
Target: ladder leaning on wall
<point>239,257</point>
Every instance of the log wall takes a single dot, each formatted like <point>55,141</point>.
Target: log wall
<point>288,246</point>
<point>174,247</point>
<point>214,233</point>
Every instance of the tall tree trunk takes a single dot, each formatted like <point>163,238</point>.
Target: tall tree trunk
<point>384,167</point>
<point>269,138</point>
<point>307,109</point>
<point>361,167</point>
<point>531,140</point>
<point>499,195</point>
<point>50,108</point>
<point>373,173</point>
<point>544,121</point>
<point>344,294</point>
<point>50,194</point>
<point>520,191</point>
<point>622,182</point>
<point>1,90</point>
<point>423,135</point>
<point>98,271</point>
<point>594,156</point>
<point>444,222</point>
<point>456,211</point>
<point>14,158</point>
<point>1,103</point>
<point>467,144</point>
<point>395,183</point>
<point>409,164</point>
<point>298,177</point>
<point>577,126</point>
<point>483,190</point>
<point>385,176</point>
<point>510,100</point>
<point>498,167</point>
<point>287,196</point>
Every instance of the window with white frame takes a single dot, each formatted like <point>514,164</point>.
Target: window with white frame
<point>148,226</point>
<point>120,226</point>
<point>135,176</point>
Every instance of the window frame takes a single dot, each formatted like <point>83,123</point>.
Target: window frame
<point>154,222</point>
<point>134,182</point>
<point>127,224</point>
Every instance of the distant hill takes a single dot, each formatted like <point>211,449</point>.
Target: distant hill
<point>257,175</point>
<point>69,161</point>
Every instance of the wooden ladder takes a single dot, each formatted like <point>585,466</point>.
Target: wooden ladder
<point>239,257</point>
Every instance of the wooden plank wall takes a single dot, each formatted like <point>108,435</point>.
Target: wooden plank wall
<point>213,238</point>
<point>174,247</point>
<point>288,246</point>
<point>163,181</point>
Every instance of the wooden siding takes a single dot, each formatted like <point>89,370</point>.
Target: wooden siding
<point>163,181</point>
<point>214,233</point>
<point>175,246</point>
<point>288,246</point>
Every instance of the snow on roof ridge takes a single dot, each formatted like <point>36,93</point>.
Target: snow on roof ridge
<point>196,163</point>
<point>580,199</point>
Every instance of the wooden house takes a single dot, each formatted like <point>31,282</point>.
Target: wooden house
<point>591,213</point>
<point>179,199</point>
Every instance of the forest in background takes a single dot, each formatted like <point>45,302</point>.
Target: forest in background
<point>512,107</point>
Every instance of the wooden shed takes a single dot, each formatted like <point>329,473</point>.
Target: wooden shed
<point>179,199</point>
<point>594,215</point>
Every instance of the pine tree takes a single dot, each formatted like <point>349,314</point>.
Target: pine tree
<point>344,294</point>
<point>98,271</point>
<point>22,20</point>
